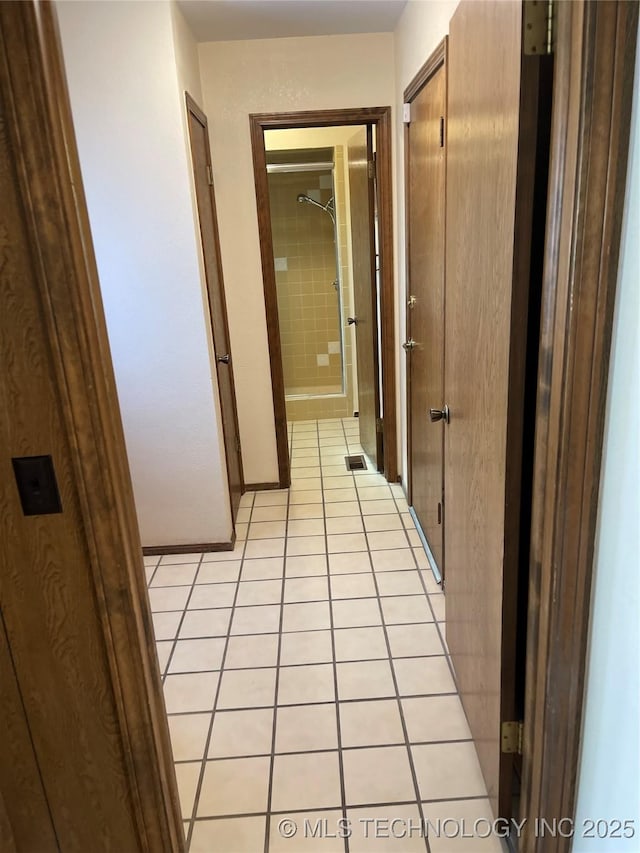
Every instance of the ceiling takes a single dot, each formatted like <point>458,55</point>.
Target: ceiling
<point>230,20</point>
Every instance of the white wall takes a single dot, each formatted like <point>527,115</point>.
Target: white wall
<point>423,24</point>
<point>271,75</point>
<point>608,783</point>
<point>127,105</point>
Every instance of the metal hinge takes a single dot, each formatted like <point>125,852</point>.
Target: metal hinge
<point>238,447</point>
<point>371,169</point>
<point>209,175</point>
<point>511,735</point>
<point>538,27</point>
<point>406,113</point>
<point>411,302</point>
<point>441,131</point>
<point>379,424</point>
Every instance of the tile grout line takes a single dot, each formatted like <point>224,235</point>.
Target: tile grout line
<point>196,799</point>
<point>267,823</point>
<point>403,722</point>
<point>184,613</point>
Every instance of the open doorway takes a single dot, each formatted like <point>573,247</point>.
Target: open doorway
<point>324,212</point>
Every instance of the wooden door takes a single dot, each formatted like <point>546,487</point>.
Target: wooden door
<point>491,156</point>
<point>203,178</point>
<point>425,311</point>
<point>362,211</point>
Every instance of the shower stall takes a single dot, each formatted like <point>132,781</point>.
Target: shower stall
<point>305,186</point>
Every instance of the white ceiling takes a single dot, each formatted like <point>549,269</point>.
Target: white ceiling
<point>229,20</point>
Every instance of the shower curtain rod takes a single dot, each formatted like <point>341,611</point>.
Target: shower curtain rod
<point>299,167</point>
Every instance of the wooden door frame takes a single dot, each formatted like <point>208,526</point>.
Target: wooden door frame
<point>40,129</point>
<point>200,116</point>
<point>380,118</point>
<point>436,61</point>
<point>593,85</point>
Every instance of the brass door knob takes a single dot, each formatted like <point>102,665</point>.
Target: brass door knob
<point>436,415</point>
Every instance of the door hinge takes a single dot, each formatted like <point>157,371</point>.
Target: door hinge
<point>379,425</point>
<point>439,513</point>
<point>371,169</point>
<point>441,131</point>
<point>209,175</point>
<point>538,27</point>
<point>238,447</point>
<point>511,735</point>
<point>406,113</point>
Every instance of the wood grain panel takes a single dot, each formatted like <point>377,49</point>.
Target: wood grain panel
<point>425,314</point>
<point>201,162</point>
<point>362,206</point>
<point>73,596</point>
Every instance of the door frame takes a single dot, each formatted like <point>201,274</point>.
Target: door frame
<point>436,60</point>
<point>380,118</point>
<point>200,116</point>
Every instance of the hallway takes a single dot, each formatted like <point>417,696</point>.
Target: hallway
<point>305,673</point>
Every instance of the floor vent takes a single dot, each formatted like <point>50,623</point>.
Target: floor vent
<point>355,463</point>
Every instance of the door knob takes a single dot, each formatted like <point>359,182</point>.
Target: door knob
<point>439,415</point>
<point>224,359</point>
<point>352,321</point>
<point>408,345</point>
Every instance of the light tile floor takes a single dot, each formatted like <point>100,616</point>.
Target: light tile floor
<point>306,676</point>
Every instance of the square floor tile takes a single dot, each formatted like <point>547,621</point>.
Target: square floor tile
<point>379,775</point>
<point>306,527</point>
<point>175,575</point>
<point>306,496</point>
<point>403,609</point>
<point>309,565</point>
<point>205,623</point>
<point>188,736</point>
<point>267,529</point>
<point>263,619</point>
<point>306,616</point>
<point>178,559</point>
<point>305,484</point>
<point>299,685</point>
<point>373,493</point>
<point>168,598</point>
<point>271,498</point>
<point>234,786</point>
<point>393,561</point>
<point>338,510</point>
<point>187,777</point>
<point>163,650</point>
<point>435,718</point>
<point>353,586</point>
<point>431,584</point>
<point>311,510</point>
<point>341,543</point>
<point>241,532</point>
<point>337,482</point>
<point>224,556</point>
<point>209,595</point>
<point>438,604</point>
<point>165,624</point>
<point>265,568</point>
<point>414,640</point>
<point>197,655</point>
<point>340,495</point>
<point>188,692</point>
<point>264,548</point>
<point>259,592</point>
<point>241,733</point>
<point>301,545</point>
<point>389,521</point>
<point>306,727</point>
<point>269,513</point>
<point>322,833</point>
<point>384,540</point>
<point>300,470</point>
<point>306,647</point>
<point>370,723</point>
<point>247,688</point>
<point>237,834</point>
<point>380,507</point>
<point>462,813</point>
<point>347,524</point>
<point>386,829</point>
<point>448,770</point>
<point>249,651</point>
<point>365,680</point>
<point>356,613</point>
<point>399,583</point>
<point>310,780</point>
<point>344,564</point>
<point>360,644</point>
<point>417,676</point>
<point>226,571</point>
<point>306,589</point>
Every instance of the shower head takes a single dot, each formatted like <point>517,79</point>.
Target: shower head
<point>328,207</point>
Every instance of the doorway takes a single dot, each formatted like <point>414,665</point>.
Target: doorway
<point>324,215</point>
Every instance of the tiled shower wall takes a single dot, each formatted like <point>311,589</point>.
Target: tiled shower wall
<point>305,259</point>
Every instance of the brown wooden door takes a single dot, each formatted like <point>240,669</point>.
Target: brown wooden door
<point>425,312</point>
<point>203,176</point>
<point>362,211</point>
<point>490,175</point>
